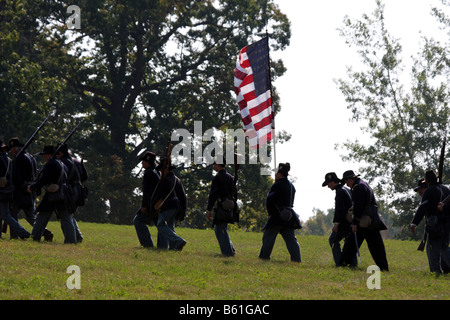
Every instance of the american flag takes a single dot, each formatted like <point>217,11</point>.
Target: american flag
<point>253,92</point>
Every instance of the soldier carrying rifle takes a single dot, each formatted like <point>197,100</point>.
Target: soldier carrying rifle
<point>24,172</point>
<point>76,174</point>
<point>437,223</point>
<point>53,177</point>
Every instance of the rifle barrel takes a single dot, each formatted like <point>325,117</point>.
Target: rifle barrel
<point>27,144</point>
<point>65,140</point>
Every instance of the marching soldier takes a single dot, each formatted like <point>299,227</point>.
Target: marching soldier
<point>170,201</point>
<point>7,193</point>
<point>282,218</point>
<point>366,223</point>
<point>53,177</point>
<point>223,191</point>
<point>342,203</point>
<point>144,216</point>
<point>24,172</point>
<point>73,183</point>
<point>437,223</point>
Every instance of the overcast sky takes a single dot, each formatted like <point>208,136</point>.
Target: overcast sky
<point>313,109</point>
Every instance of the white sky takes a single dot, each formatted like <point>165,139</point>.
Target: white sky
<point>312,108</point>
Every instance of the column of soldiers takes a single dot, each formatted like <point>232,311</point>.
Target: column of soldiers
<point>164,202</point>
<point>61,177</point>
<point>356,216</point>
<point>356,219</point>
<point>222,201</point>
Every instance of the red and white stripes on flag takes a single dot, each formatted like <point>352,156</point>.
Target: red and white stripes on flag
<point>253,92</point>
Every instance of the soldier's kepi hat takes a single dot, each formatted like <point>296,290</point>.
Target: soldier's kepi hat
<point>64,148</point>
<point>349,174</point>
<point>2,145</point>
<point>329,177</point>
<point>161,165</point>
<point>421,184</point>
<point>284,168</point>
<point>48,150</point>
<point>14,142</point>
<point>430,176</point>
<point>148,156</point>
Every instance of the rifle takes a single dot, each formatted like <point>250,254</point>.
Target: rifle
<point>164,171</point>
<point>422,243</point>
<point>30,140</point>
<point>441,160</point>
<point>166,161</point>
<point>59,147</point>
<point>65,141</point>
<point>357,247</point>
<point>236,170</point>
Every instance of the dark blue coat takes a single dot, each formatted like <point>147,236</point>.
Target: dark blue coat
<point>149,183</point>
<point>222,186</point>
<point>6,193</point>
<point>50,174</point>
<point>434,194</point>
<point>364,199</point>
<point>342,202</point>
<point>281,195</point>
<point>171,189</point>
<point>24,172</point>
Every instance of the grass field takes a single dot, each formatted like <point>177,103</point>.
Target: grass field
<point>114,266</point>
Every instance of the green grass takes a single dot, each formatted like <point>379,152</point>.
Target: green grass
<point>114,266</point>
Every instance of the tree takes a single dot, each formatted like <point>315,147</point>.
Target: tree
<point>135,71</point>
<point>320,223</point>
<point>406,126</point>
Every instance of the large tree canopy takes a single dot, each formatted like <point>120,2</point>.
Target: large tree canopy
<point>133,72</point>
<point>407,122</point>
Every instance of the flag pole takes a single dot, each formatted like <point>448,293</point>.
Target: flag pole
<point>274,138</point>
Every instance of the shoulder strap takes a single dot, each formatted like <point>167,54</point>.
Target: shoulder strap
<point>292,189</point>
<point>62,172</point>
<point>8,164</point>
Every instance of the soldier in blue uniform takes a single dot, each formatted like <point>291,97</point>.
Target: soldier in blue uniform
<point>366,223</point>
<point>171,192</point>
<point>6,194</point>
<point>437,223</point>
<point>24,172</point>
<point>144,216</point>
<point>53,175</point>
<point>73,184</point>
<point>223,190</point>
<point>282,218</point>
<point>342,203</point>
